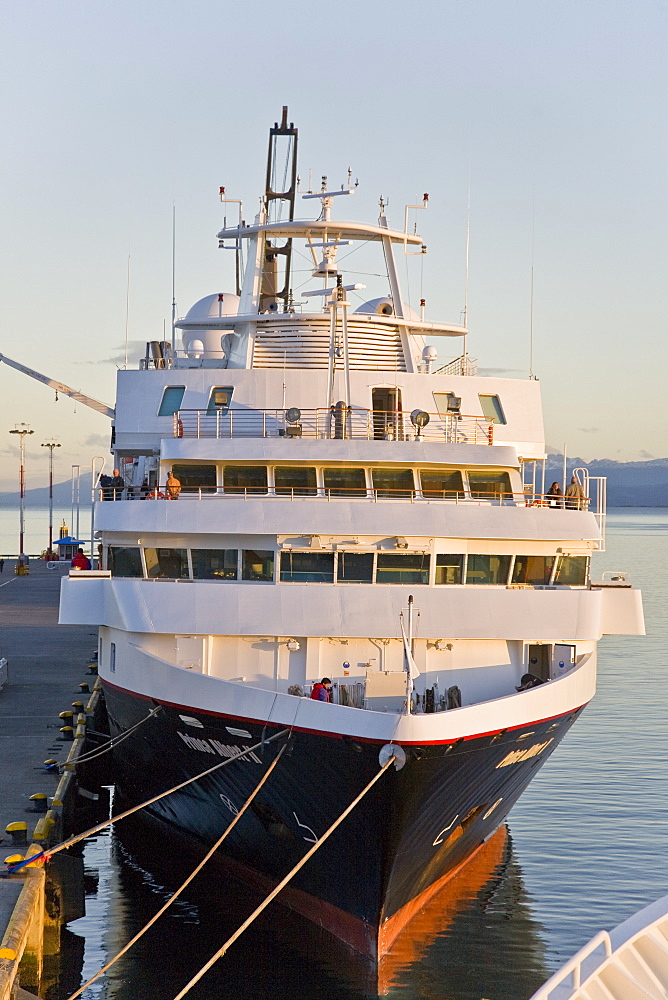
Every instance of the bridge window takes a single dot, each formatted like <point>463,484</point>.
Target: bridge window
<point>307,567</point>
<point>258,565</point>
<point>402,568</point>
<point>220,398</point>
<point>297,481</point>
<point>355,567</point>
<point>392,483</point>
<point>491,409</point>
<point>170,564</point>
<point>534,571</point>
<point>487,569</point>
<point>344,482</point>
<point>489,485</point>
<point>449,568</point>
<point>245,478</point>
<point>171,400</point>
<point>124,561</point>
<point>194,478</point>
<point>571,571</point>
<point>214,564</point>
<point>441,485</point>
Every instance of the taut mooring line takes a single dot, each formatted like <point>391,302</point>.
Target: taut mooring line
<point>46,855</point>
<point>281,885</point>
<point>187,882</point>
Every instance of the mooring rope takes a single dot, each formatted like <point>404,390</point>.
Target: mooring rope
<point>187,882</point>
<point>281,885</point>
<point>47,854</point>
<point>110,744</point>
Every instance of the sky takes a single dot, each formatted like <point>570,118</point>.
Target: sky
<point>555,114</point>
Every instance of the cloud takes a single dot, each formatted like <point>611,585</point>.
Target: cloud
<point>136,349</point>
<point>507,372</point>
<point>590,430</point>
<point>646,455</point>
<point>97,441</point>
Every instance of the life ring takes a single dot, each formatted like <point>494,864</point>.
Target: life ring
<point>179,427</point>
<point>155,495</point>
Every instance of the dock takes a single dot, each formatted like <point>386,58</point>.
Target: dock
<point>45,675</point>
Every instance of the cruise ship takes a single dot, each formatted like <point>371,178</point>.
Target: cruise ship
<point>311,489</point>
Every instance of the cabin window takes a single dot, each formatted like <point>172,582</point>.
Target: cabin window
<point>214,564</point>
<point>534,571</point>
<point>307,567</point>
<point>441,485</point>
<point>447,403</point>
<point>220,398</point>
<point>295,481</point>
<point>171,400</point>
<point>125,561</point>
<point>257,565</point>
<point>245,478</point>
<point>449,568</point>
<point>169,564</point>
<point>194,478</point>
<point>394,567</point>
<point>487,569</point>
<point>492,410</point>
<point>392,483</point>
<point>489,485</point>
<point>344,482</point>
<point>355,567</point>
<point>571,571</point>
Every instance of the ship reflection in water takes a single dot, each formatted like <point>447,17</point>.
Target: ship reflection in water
<point>475,939</point>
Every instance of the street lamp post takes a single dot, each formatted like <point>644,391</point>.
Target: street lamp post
<point>50,445</point>
<point>22,430</point>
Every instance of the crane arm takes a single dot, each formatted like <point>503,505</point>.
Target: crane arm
<point>80,397</point>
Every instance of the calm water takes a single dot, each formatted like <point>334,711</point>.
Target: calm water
<point>36,532</point>
<point>586,848</point>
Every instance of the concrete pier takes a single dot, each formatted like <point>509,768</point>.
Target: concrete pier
<point>46,664</point>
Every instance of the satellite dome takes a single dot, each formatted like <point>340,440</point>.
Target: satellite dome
<point>216,305</point>
<point>385,307</point>
<point>198,340</point>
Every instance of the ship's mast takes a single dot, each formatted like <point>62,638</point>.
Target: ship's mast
<point>278,199</point>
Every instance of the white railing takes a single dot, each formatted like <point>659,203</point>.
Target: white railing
<point>568,979</point>
<point>330,423</point>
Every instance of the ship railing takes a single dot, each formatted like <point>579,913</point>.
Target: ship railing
<point>498,498</point>
<point>333,423</point>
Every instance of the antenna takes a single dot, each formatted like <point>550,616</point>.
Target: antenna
<point>127,313</point>
<point>466,277</point>
<point>173,279</point>
<point>533,243</point>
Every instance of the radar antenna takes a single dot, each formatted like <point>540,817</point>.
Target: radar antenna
<point>278,198</point>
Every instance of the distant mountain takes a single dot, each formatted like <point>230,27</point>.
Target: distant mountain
<point>62,494</point>
<point>630,484</point>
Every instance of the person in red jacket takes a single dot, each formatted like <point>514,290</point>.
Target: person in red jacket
<point>80,561</point>
<point>322,691</point>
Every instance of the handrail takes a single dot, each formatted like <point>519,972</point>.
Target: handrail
<point>471,496</point>
<point>329,423</point>
<point>573,968</point>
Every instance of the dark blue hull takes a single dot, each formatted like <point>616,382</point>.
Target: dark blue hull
<point>414,829</point>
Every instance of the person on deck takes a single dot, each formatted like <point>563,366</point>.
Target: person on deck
<point>80,561</point>
<point>117,485</point>
<point>173,486</point>
<point>322,691</point>
<point>575,495</point>
<point>555,496</point>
